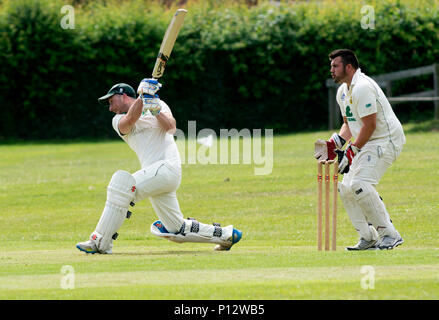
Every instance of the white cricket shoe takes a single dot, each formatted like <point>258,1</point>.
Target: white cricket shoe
<point>89,246</point>
<point>364,245</point>
<point>388,243</point>
<point>236,236</point>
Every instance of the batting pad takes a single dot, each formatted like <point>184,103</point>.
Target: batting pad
<point>356,213</point>
<point>194,231</point>
<point>374,209</point>
<point>120,193</point>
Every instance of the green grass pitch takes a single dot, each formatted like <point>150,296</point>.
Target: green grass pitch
<point>52,195</point>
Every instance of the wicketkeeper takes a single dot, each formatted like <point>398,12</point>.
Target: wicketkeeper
<point>146,124</point>
<point>378,139</point>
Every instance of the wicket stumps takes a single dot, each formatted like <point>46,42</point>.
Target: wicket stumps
<point>327,165</point>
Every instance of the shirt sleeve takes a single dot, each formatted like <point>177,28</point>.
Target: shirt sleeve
<point>365,100</point>
<point>338,96</point>
<point>165,107</point>
<point>115,122</point>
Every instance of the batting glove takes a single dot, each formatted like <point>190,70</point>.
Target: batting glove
<point>151,103</point>
<point>345,157</point>
<point>149,87</point>
<point>325,150</point>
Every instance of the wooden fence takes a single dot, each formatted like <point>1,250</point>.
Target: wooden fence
<point>385,82</point>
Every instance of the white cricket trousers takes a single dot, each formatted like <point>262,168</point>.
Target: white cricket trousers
<point>159,182</point>
<point>358,193</point>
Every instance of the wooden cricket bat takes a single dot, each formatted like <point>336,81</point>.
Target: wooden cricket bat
<point>168,43</point>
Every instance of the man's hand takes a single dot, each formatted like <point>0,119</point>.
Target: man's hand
<point>345,158</point>
<point>325,150</point>
<point>148,87</point>
<point>152,104</point>
<point>147,90</point>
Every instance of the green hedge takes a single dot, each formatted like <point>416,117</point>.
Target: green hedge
<point>232,67</point>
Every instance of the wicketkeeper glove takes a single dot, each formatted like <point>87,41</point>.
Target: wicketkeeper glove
<point>325,150</point>
<point>345,157</point>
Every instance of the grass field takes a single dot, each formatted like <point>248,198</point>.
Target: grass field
<point>52,195</point>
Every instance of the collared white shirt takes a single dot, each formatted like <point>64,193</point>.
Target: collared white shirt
<point>364,98</point>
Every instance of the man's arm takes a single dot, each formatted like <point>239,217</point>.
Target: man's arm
<point>345,133</point>
<point>167,122</point>
<point>366,131</point>
<point>364,96</point>
<point>127,122</point>
<point>369,125</point>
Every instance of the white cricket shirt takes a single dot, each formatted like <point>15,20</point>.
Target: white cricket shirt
<point>364,98</point>
<point>149,141</point>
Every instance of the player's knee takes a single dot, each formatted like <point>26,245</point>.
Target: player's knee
<point>173,227</point>
<point>361,189</point>
<point>121,190</point>
<point>344,191</point>
<point>158,228</point>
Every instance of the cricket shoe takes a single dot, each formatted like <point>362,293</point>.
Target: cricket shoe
<point>89,246</point>
<point>364,245</point>
<point>236,236</point>
<point>388,243</point>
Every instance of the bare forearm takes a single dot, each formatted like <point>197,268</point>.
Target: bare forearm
<point>135,111</point>
<point>133,114</point>
<point>167,122</point>
<point>364,136</point>
<point>369,125</point>
<point>345,133</point>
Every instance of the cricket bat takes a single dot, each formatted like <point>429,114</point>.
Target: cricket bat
<point>168,43</point>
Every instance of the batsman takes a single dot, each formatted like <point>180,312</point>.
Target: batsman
<point>147,125</point>
<point>374,138</point>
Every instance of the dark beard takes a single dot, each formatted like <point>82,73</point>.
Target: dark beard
<point>338,79</point>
